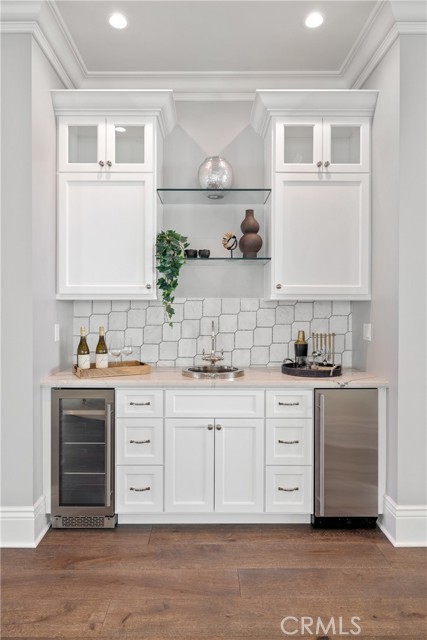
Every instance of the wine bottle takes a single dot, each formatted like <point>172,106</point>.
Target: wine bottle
<point>101,358</point>
<point>83,353</point>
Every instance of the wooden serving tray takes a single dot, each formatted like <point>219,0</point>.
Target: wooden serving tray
<point>127,368</point>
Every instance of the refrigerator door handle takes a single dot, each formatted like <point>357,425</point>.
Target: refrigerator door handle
<point>322,455</point>
<point>108,453</point>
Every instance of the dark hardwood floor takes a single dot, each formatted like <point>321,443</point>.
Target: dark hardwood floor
<point>214,581</point>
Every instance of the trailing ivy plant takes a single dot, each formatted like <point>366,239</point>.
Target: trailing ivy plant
<point>170,255</point>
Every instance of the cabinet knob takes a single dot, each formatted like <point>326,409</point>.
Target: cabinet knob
<point>148,286</point>
<point>109,163</point>
<point>101,163</point>
<point>218,427</point>
<point>327,163</point>
<point>210,427</point>
<point>278,286</point>
<point>319,164</point>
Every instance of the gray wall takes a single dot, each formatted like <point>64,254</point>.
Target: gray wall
<point>398,307</point>
<point>28,236</point>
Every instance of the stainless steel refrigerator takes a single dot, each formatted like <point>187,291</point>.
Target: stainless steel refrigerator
<point>83,458</point>
<point>346,457</point>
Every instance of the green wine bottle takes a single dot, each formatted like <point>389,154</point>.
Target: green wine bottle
<point>83,353</point>
<point>101,358</point>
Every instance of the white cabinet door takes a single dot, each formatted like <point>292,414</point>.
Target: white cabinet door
<point>321,237</point>
<point>106,234</point>
<point>139,441</point>
<point>289,441</point>
<point>239,466</point>
<point>316,145</point>
<point>189,465</point>
<point>299,145</point>
<point>346,146</point>
<point>105,144</point>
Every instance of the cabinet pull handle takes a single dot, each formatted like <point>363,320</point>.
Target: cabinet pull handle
<point>139,404</point>
<point>286,489</point>
<point>210,427</point>
<point>327,163</point>
<point>139,441</point>
<point>218,427</point>
<point>288,441</point>
<point>288,404</point>
<point>278,286</point>
<point>319,164</point>
<point>109,163</point>
<point>101,163</point>
<point>142,489</point>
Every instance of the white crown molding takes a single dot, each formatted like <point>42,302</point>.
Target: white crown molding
<point>404,525</point>
<point>33,29</point>
<point>157,104</point>
<point>270,104</point>
<point>23,527</point>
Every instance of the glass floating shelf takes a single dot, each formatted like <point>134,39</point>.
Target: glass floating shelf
<point>236,259</point>
<point>213,196</point>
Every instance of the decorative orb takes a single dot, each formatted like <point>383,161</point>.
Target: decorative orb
<point>215,173</point>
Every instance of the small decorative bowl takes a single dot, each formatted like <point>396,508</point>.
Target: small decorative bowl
<point>191,253</point>
<point>204,253</point>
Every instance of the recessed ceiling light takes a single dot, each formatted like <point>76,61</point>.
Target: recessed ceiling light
<point>314,20</point>
<point>120,129</point>
<point>118,21</point>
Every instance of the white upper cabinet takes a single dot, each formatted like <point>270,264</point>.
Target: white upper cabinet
<point>322,145</point>
<point>115,144</point>
<point>109,167</point>
<point>318,160</point>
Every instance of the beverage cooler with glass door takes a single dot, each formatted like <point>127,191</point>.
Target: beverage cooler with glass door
<point>83,458</point>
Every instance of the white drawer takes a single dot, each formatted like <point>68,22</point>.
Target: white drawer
<point>139,441</point>
<point>289,490</point>
<point>214,404</point>
<point>139,489</point>
<point>131,403</point>
<point>289,441</point>
<point>289,404</point>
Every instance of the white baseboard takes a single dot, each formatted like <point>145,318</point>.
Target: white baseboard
<point>404,525</point>
<point>23,526</point>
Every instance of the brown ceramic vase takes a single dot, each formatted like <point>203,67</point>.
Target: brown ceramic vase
<point>250,243</point>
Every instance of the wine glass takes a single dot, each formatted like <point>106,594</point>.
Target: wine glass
<point>127,350</point>
<point>115,346</point>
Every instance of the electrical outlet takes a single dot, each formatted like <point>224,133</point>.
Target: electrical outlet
<point>56,333</point>
<point>367,331</point>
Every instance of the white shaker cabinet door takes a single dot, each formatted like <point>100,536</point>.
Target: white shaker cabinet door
<point>189,465</point>
<point>106,236</point>
<point>321,237</point>
<point>239,466</point>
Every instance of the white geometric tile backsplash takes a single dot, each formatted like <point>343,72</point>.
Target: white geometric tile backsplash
<point>251,331</point>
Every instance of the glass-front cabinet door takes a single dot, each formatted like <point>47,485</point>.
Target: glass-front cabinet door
<point>346,147</point>
<point>82,454</point>
<point>299,144</point>
<point>323,145</point>
<point>105,144</point>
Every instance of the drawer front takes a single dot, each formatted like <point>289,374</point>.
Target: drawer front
<point>289,490</point>
<point>139,489</point>
<point>131,403</point>
<point>289,441</point>
<point>289,404</point>
<point>214,404</point>
<point>139,441</point>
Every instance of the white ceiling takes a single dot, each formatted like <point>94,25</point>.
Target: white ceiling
<point>182,36</point>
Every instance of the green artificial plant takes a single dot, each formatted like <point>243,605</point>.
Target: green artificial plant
<point>170,255</point>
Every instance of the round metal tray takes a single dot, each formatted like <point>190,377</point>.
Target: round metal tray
<point>290,369</point>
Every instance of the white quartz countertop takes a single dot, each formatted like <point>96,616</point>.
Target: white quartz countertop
<point>262,377</point>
